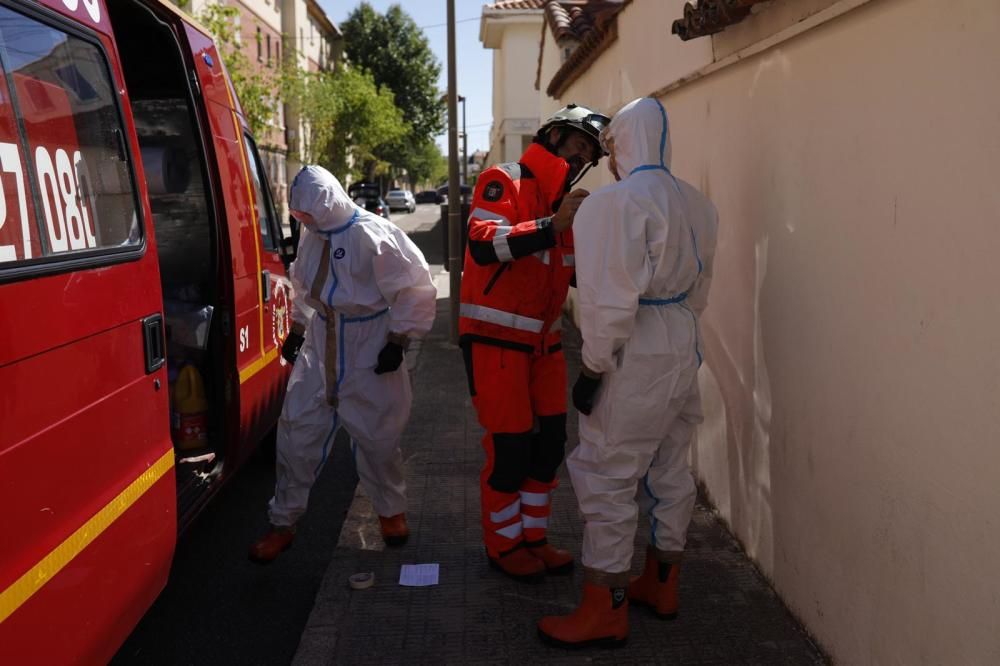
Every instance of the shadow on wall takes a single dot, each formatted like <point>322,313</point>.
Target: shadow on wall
<point>731,453</point>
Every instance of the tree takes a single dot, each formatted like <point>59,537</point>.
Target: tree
<point>255,88</point>
<point>349,120</point>
<point>397,54</point>
<point>352,123</point>
<point>425,163</point>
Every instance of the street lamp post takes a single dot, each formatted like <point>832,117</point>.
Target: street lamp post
<point>465,154</point>
<point>454,200</point>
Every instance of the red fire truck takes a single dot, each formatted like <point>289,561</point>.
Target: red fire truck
<point>138,243</point>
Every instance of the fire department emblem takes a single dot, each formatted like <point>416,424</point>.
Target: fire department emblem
<point>281,313</point>
<point>493,191</point>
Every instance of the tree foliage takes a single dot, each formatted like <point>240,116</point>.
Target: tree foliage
<point>258,90</point>
<point>397,54</point>
<point>348,119</point>
<point>425,163</point>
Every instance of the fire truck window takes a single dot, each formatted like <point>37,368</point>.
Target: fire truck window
<point>68,157</point>
<point>265,209</point>
<point>18,242</point>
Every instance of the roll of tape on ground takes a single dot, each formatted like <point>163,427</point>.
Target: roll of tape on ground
<point>361,581</point>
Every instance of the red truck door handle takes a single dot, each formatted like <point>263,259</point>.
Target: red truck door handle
<point>153,345</point>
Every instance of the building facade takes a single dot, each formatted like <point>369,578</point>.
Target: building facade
<point>511,29</point>
<point>315,44</point>
<point>272,32</point>
<point>260,33</point>
<point>850,383</point>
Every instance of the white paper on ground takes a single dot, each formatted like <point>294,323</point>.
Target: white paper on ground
<point>419,575</point>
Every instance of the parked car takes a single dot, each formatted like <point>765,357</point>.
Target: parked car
<point>374,204</point>
<point>401,200</point>
<point>428,196</point>
<point>443,192</point>
<point>364,189</point>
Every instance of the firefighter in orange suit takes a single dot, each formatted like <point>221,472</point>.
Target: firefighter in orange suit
<point>518,268</point>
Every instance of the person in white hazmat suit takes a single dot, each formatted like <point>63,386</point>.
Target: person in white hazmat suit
<point>363,290</point>
<point>644,249</point>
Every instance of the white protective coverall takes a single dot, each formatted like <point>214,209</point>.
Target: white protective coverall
<point>644,249</point>
<point>357,278</point>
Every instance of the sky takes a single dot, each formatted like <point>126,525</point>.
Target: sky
<point>474,63</point>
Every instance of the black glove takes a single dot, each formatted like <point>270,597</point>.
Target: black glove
<point>583,393</point>
<point>390,358</point>
<point>290,347</point>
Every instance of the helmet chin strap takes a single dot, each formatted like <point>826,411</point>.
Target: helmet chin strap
<point>580,175</point>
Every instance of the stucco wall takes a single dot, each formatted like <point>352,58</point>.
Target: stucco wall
<point>643,58</point>
<point>550,63</point>
<point>268,12</point>
<point>851,380</point>
<point>520,52</point>
<point>496,135</point>
<point>515,100</point>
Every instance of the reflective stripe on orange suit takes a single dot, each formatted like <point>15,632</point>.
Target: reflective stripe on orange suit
<point>517,274</point>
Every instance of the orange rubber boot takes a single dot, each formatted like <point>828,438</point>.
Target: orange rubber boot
<point>520,565</point>
<point>395,532</point>
<point>274,543</point>
<point>656,587</point>
<point>557,562</point>
<point>601,620</point>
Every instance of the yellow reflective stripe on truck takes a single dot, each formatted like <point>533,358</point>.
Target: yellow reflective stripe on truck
<point>37,576</point>
<point>258,365</point>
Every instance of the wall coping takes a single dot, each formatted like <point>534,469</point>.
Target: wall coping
<point>832,12</point>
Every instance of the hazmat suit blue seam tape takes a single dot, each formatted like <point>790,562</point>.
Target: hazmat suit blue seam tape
<point>663,134</point>
<point>340,378</point>
<point>333,288</point>
<point>680,298</point>
<point>649,167</point>
<point>336,281</point>
<point>340,351</point>
<point>375,315</point>
<point>340,341</point>
<point>326,444</point>
<point>697,334</point>
<point>663,145</point>
<point>696,254</point>
<point>344,227</point>
<point>652,518</point>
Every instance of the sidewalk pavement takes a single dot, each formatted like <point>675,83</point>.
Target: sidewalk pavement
<point>729,614</point>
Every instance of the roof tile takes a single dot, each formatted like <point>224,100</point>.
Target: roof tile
<point>588,23</point>
<point>517,4</point>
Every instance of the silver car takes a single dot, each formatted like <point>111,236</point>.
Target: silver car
<point>401,200</point>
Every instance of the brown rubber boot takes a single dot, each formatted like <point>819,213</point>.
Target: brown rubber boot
<point>395,532</point>
<point>656,588</point>
<point>274,543</point>
<point>601,620</point>
<point>519,564</point>
<point>557,562</point>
